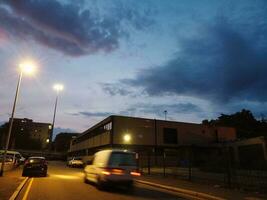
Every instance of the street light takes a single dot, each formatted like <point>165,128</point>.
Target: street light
<point>58,88</point>
<point>28,68</point>
<point>165,113</point>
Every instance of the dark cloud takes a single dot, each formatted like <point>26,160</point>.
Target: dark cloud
<point>24,30</point>
<point>93,114</point>
<point>223,62</point>
<point>173,109</point>
<point>115,89</point>
<point>145,108</point>
<point>66,27</point>
<point>141,15</point>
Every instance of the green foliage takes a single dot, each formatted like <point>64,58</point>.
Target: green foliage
<point>247,126</point>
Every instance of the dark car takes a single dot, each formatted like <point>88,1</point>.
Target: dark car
<point>35,166</point>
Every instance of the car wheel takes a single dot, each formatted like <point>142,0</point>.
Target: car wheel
<point>99,184</point>
<point>85,180</point>
<point>45,174</point>
<point>24,173</point>
<point>130,186</point>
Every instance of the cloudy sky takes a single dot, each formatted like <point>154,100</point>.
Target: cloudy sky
<point>195,59</point>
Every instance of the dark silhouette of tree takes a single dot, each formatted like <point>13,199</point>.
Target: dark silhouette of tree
<point>3,131</point>
<point>247,126</point>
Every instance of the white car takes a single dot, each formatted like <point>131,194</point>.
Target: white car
<point>112,166</point>
<point>75,162</point>
<point>13,156</point>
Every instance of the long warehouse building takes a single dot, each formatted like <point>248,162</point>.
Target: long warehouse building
<point>149,135</point>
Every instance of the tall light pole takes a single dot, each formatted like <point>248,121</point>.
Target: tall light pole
<point>165,113</point>
<point>57,88</point>
<point>27,68</point>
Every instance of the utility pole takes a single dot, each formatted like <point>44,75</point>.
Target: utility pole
<point>165,113</point>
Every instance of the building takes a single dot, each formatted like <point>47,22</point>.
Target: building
<point>62,141</point>
<point>148,136</point>
<point>27,134</point>
<point>247,150</point>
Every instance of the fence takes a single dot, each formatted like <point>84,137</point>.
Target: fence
<point>212,166</point>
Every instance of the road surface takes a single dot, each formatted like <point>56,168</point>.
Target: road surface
<point>63,183</point>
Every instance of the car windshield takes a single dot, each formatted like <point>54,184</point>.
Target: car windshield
<point>122,159</point>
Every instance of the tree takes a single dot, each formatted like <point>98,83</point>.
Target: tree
<point>3,132</point>
<point>247,126</point>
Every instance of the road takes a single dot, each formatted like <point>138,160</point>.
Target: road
<point>63,183</point>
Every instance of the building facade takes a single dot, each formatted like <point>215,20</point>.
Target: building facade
<point>62,141</point>
<point>150,135</point>
<point>27,134</point>
<point>247,150</point>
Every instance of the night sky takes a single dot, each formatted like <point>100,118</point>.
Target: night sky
<point>195,59</point>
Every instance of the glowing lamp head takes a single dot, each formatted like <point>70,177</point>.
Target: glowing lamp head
<point>47,140</point>
<point>127,138</point>
<point>27,67</point>
<point>58,87</point>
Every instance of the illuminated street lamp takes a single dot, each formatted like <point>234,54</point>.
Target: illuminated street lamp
<point>27,68</point>
<point>58,88</point>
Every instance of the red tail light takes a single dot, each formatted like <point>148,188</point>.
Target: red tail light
<point>109,171</point>
<point>135,173</point>
<point>105,172</point>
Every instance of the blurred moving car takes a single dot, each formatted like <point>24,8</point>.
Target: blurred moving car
<point>112,166</point>
<point>75,162</point>
<point>35,166</point>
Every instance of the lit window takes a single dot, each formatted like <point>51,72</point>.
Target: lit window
<point>108,126</point>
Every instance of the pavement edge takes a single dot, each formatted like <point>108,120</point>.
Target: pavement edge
<point>188,193</point>
<point>18,189</point>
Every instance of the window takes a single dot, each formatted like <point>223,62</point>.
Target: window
<point>122,159</point>
<point>170,136</point>
<point>108,126</point>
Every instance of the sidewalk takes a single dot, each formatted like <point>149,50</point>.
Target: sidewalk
<point>213,190</point>
<point>9,182</point>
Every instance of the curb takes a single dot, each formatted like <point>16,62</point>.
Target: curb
<point>19,188</point>
<point>188,193</point>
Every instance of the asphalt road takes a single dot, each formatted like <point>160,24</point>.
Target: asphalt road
<point>63,183</point>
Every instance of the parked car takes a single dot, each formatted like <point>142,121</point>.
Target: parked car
<point>112,166</point>
<point>75,162</point>
<point>35,166</point>
<point>13,156</point>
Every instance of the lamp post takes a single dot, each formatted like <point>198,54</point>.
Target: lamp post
<point>27,68</point>
<point>165,113</point>
<point>57,88</point>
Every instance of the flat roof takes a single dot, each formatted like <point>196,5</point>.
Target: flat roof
<point>107,119</point>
